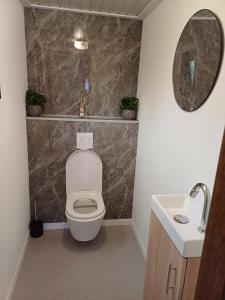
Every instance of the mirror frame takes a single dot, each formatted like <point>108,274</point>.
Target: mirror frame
<point>219,64</point>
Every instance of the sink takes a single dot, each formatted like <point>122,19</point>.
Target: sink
<point>186,237</point>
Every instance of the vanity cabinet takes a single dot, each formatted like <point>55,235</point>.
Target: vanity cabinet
<point>168,276</point>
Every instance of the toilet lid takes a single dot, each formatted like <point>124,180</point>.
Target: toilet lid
<point>84,205</point>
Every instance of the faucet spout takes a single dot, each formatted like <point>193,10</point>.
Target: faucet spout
<point>195,190</point>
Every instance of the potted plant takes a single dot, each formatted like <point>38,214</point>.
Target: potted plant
<point>34,103</point>
<point>129,106</point>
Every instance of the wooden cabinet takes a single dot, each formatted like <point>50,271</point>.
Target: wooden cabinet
<point>168,276</point>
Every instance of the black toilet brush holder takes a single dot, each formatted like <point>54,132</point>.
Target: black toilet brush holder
<point>36,226</point>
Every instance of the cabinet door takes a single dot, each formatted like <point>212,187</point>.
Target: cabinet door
<point>165,269</point>
<point>191,278</point>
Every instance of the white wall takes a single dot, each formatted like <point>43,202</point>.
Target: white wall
<point>14,194</point>
<point>175,149</point>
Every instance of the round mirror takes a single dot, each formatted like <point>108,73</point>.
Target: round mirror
<point>197,60</point>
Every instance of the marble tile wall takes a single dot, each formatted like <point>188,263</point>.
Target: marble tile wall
<point>49,145</point>
<point>58,70</point>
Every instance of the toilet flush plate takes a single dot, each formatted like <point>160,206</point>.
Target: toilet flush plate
<point>84,140</point>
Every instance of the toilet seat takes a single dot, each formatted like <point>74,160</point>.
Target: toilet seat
<point>82,195</point>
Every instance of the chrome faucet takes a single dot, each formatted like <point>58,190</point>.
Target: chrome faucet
<point>193,193</point>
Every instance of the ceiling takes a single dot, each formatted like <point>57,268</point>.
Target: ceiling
<point>124,8</point>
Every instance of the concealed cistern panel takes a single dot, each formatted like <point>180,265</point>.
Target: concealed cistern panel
<point>84,140</point>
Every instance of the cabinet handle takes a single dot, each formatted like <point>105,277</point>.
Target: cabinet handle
<point>168,278</point>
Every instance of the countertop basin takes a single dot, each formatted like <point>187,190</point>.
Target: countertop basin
<point>186,237</point>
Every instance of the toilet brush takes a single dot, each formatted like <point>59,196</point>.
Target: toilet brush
<point>35,211</point>
<point>36,226</point>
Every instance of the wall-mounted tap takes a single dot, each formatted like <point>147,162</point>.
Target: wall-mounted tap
<point>193,193</point>
<point>83,99</point>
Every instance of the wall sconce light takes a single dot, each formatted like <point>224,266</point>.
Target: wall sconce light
<point>81,44</point>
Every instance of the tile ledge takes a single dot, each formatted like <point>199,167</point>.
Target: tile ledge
<point>68,119</point>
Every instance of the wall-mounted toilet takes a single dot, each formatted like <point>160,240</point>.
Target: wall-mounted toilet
<point>85,207</point>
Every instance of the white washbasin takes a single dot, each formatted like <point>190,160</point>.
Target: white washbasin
<point>186,237</point>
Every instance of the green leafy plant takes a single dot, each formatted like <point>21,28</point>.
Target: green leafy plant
<point>129,103</point>
<point>33,98</point>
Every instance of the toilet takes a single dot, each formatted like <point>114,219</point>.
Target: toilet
<point>85,207</point>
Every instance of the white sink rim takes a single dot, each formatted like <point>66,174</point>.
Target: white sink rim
<point>186,238</point>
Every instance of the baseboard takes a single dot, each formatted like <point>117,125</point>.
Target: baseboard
<point>64,225</point>
<point>116,222</point>
<point>54,226</point>
<point>18,266</point>
<point>139,241</point>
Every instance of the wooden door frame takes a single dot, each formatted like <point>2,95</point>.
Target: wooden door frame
<point>211,279</point>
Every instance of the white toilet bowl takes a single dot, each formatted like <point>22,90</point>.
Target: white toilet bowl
<point>85,207</point>
<point>85,211</point>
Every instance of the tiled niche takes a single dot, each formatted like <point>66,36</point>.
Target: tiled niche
<point>58,70</point>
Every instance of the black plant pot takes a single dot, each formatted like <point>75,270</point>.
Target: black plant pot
<point>36,228</point>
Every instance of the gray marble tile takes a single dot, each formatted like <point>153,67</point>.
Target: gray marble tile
<point>51,142</point>
<point>58,70</point>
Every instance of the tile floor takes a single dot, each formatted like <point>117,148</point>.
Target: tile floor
<point>56,267</point>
